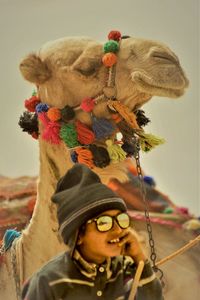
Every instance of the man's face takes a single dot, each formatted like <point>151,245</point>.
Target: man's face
<point>96,246</point>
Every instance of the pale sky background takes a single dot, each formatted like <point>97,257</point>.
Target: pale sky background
<point>27,24</point>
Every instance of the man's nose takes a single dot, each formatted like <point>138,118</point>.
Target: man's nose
<point>116,227</point>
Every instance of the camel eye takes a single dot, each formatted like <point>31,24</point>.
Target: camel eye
<point>87,72</point>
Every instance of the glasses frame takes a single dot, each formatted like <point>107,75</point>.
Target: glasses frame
<point>114,218</point>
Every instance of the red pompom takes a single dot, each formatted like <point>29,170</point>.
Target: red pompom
<point>114,35</point>
<point>31,103</point>
<point>34,135</point>
<point>87,104</point>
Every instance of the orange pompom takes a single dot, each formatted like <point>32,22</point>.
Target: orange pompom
<point>109,59</point>
<point>54,114</point>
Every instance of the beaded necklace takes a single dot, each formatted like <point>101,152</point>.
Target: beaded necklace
<point>106,140</point>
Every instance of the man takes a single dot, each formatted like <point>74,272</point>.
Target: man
<point>104,252</point>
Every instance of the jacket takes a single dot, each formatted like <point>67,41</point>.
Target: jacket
<point>67,278</point>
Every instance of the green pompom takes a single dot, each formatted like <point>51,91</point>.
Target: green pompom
<point>111,46</point>
<point>168,210</point>
<point>34,93</point>
<point>69,135</point>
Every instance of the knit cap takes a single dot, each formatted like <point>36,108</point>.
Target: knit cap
<point>80,196</point>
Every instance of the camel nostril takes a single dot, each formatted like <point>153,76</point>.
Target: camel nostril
<point>164,57</point>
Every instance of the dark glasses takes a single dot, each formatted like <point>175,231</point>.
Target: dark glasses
<point>105,223</point>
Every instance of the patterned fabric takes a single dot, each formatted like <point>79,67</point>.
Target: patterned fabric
<point>17,200</point>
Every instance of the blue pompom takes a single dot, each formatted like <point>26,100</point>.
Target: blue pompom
<point>149,180</point>
<point>102,128</point>
<point>41,107</point>
<point>9,236</point>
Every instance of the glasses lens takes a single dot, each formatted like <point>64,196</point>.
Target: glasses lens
<point>104,223</point>
<point>123,220</point>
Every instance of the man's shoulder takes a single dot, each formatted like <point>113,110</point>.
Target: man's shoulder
<point>57,264</point>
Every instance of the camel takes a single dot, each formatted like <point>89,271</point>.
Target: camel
<point>65,71</point>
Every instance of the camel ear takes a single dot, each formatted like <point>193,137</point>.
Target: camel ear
<point>89,61</point>
<point>34,69</point>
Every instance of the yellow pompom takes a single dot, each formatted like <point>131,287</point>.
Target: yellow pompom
<point>109,59</point>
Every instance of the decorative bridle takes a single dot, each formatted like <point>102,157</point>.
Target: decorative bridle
<point>106,140</point>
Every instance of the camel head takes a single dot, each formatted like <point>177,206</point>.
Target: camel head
<point>69,69</point>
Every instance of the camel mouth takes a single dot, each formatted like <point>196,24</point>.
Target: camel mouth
<point>173,88</point>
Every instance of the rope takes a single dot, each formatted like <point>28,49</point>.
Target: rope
<point>189,245</point>
<point>136,280</point>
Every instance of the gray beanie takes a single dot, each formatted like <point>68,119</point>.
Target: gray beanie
<point>80,196</point>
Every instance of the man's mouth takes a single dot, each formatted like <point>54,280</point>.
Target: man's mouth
<point>114,241</point>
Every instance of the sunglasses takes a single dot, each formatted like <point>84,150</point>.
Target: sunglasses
<point>105,223</point>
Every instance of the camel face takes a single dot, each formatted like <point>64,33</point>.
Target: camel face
<point>153,67</point>
<point>69,69</point>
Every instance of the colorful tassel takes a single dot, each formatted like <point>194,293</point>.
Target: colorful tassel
<point>85,157</point>
<point>84,135</point>
<point>125,130</point>
<point>101,157</point>
<point>67,113</point>
<point>9,236</point>
<point>43,118</point>
<point>87,104</point>
<point>142,120</point>
<point>130,148</point>
<point>29,123</point>
<point>51,133</point>
<point>102,128</point>
<point>116,153</point>
<point>69,135</point>
<point>51,130</point>
<point>148,141</point>
<point>124,111</point>
<point>54,114</point>
<point>41,107</point>
<point>31,103</point>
